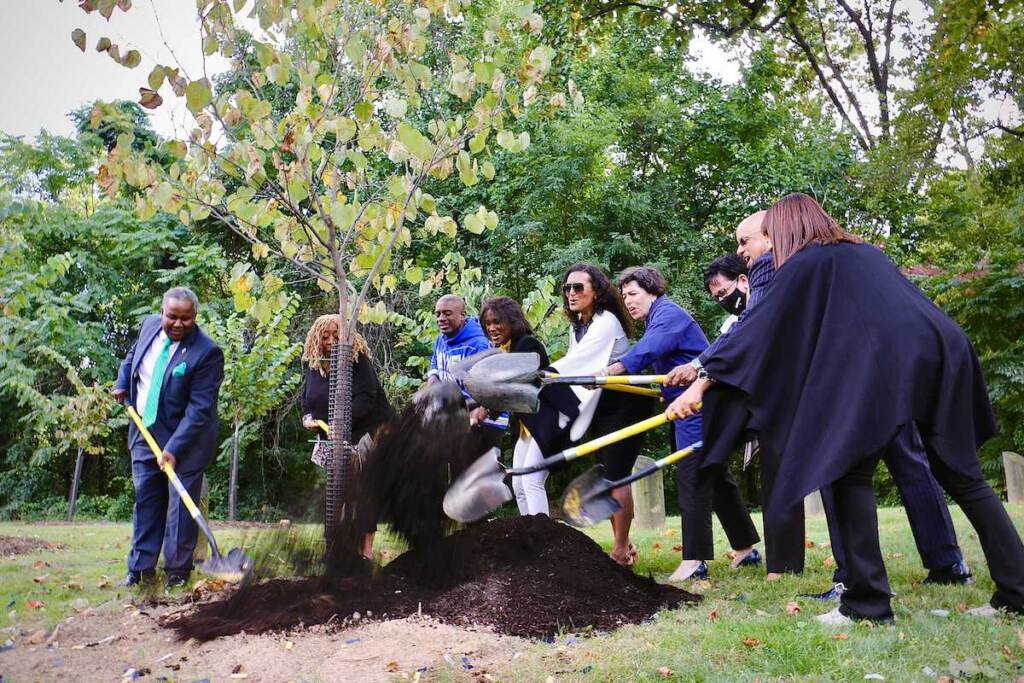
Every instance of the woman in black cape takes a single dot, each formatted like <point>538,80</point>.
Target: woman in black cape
<point>842,352</point>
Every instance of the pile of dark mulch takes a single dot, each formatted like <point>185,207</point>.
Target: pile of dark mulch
<point>523,576</point>
<point>10,546</point>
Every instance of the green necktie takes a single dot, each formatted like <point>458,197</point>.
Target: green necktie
<point>153,399</point>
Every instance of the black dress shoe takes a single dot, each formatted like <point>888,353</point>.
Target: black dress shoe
<point>831,594</point>
<point>753,559</point>
<point>177,580</point>
<point>146,576</point>
<point>701,572</point>
<point>958,573</point>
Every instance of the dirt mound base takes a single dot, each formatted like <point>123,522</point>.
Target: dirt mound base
<point>523,576</point>
<point>10,546</point>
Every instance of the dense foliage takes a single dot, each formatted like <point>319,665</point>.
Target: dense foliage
<point>641,160</point>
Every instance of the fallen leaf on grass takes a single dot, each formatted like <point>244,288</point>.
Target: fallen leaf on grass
<point>391,667</point>
<point>39,564</point>
<point>792,608</point>
<point>236,668</point>
<point>677,548</point>
<point>840,636</point>
<point>712,615</point>
<point>752,642</point>
<point>829,562</point>
<point>73,586</point>
<point>1007,653</point>
<point>41,579</point>
<point>657,546</point>
<point>665,672</point>
<point>961,607</point>
<point>34,604</point>
<point>808,543</point>
<point>104,582</point>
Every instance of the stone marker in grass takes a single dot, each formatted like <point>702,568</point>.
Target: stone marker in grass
<point>1013,466</point>
<point>648,497</point>
<point>813,505</point>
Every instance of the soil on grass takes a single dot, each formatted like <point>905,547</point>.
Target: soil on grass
<point>10,546</point>
<point>523,576</point>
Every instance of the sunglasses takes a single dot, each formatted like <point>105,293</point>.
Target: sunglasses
<point>577,287</point>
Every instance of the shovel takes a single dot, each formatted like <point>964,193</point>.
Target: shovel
<point>505,381</point>
<point>588,499</point>
<point>476,490</point>
<point>236,565</point>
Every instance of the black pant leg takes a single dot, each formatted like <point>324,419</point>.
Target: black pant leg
<point>923,500</point>
<point>999,539</point>
<point>867,593</point>
<point>694,493</point>
<point>727,503</point>
<point>835,535</point>
<point>783,528</point>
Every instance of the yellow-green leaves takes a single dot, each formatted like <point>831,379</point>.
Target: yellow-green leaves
<point>482,220</point>
<point>78,38</point>
<point>197,95</point>
<point>416,142</point>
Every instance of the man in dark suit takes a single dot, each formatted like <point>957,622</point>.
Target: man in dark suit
<point>171,376</point>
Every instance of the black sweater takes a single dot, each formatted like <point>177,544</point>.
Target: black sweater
<point>370,407</point>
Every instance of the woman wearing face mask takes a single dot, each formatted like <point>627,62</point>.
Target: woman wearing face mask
<point>370,406</point>
<point>599,330</point>
<point>671,336</point>
<point>508,329</point>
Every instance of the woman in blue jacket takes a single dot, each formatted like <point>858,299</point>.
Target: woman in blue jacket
<point>671,338</point>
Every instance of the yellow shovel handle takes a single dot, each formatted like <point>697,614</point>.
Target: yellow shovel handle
<point>675,457</point>
<point>632,379</point>
<point>164,465</point>
<point>628,389</point>
<point>323,425</point>
<point>618,435</point>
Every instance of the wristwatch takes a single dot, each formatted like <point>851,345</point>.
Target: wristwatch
<point>702,373</point>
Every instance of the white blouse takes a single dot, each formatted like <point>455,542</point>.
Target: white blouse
<point>588,356</point>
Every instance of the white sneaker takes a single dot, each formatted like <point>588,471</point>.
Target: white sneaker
<point>834,618</point>
<point>985,611</point>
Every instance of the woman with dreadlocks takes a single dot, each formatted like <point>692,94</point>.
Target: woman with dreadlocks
<point>370,407</point>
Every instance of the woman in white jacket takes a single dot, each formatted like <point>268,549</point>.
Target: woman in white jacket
<point>599,330</point>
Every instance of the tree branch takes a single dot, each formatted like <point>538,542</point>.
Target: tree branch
<point>801,41</point>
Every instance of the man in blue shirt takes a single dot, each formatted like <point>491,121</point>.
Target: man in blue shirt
<point>461,336</point>
<point>672,337</point>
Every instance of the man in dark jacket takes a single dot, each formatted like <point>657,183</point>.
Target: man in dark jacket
<point>171,376</point>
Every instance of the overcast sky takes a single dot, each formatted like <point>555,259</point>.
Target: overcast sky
<point>43,75</point>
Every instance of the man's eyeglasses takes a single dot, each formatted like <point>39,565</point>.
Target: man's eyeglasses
<point>723,294</point>
<point>577,287</point>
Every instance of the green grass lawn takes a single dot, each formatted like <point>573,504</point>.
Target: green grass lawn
<point>741,632</point>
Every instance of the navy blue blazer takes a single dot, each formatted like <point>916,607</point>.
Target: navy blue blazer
<point>186,419</point>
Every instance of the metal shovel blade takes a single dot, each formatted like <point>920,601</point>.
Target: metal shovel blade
<point>588,499</point>
<point>505,367</point>
<point>460,369</point>
<point>478,490</point>
<point>510,396</point>
<point>234,567</point>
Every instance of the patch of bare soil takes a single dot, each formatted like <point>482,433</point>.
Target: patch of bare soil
<point>521,576</point>
<point>127,644</point>
<point>11,546</point>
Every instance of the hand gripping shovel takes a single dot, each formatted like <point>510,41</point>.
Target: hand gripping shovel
<point>482,488</point>
<point>233,567</point>
<point>588,499</point>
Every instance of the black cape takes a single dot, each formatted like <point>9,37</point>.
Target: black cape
<point>841,353</point>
